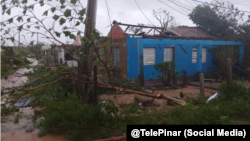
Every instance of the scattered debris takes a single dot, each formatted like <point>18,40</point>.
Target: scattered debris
<point>22,102</point>
<point>212,97</point>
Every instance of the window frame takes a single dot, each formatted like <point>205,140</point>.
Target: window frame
<point>154,56</point>
<point>173,53</point>
<point>196,55</point>
<point>118,64</point>
<point>204,55</point>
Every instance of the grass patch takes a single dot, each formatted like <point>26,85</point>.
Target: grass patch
<point>76,120</point>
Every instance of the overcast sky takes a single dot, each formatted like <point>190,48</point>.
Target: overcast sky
<point>127,11</point>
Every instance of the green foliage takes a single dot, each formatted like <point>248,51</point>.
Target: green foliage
<point>62,21</point>
<point>55,17</point>
<point>225,21</point>
<point>41,3</point>
<point>220,55</point>
<point>218,21</point>
<point>67,13</point>
<point>53,9</point>
<point>62,1</point>
<point>16,119</point>
<point>19,19</point>
<point>128,109</point>
<point>170,103</point>
<point>81,12</point>
<point>45,13</point>
<point>73,1</point>
<point>10,20</point>
<point>8,11</point>
<point>231,105</point>
<point>24,1</point>
<point>166,71</point>
<point>77,120</point>
<point>77,23</point>
<point>181,95</point>
<point>137,99</point>
<point>58,34</point>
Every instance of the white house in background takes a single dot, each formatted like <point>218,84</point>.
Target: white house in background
<point>63,56</point>
<point>59,55</point>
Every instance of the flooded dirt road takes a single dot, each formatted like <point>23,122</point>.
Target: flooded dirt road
<point>15,79</point>
<point>25,129</point>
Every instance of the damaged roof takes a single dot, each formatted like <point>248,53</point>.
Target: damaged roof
<point>180,32</point>
<point>192,32</point>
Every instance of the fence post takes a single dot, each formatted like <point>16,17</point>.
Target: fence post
<point>202,92</point>
<point>229,71</point>
<point>95,86</point>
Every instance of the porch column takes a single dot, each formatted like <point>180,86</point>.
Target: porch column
<point>199,57</point>
<point>241,49</point>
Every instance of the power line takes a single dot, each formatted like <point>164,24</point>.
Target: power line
<point>180,4</point>
<point>108,11</point>
<point>143,13</point>
<point>189,3</point>
<point>221,6</point>
<point>172,8</point>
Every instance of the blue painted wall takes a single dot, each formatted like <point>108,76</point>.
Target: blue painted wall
<point>182,60</point>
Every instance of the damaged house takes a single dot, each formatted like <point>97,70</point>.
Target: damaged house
<point>136,54</point>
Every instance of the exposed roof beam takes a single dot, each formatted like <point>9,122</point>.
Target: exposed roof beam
<point>126,28</point>
<point>149,30</point>
<point>137,31</point>
<point>141,26</point>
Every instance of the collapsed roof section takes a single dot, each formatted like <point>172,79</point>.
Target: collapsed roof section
<point>180,32</point>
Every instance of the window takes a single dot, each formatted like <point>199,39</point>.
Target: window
<point>194,55</point>
<point>204,55</point>
<point>101,52</point>
<point>149,56</point>
<point>168,54</point>
<point>116,57</point>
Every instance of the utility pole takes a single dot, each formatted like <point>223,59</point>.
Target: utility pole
<point>85,67</point>
<point>90,26</point>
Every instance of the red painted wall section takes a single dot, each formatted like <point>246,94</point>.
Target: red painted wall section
<point>117,33</point>
<point>119,40</point>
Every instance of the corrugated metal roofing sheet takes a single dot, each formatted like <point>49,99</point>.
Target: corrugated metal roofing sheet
<point>22,102</point>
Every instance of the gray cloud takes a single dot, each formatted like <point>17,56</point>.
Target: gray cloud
<point>126,11</point>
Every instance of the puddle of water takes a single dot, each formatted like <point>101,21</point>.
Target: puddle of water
<point>23,136</point>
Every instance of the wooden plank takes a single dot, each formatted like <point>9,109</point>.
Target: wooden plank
<point>149,30</point>
<point>126,28</point>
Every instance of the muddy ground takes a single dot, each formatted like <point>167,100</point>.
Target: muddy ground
<point>189,91</point>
